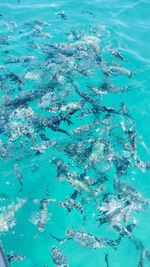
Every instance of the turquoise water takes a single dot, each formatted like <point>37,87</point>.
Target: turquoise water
<point>88,30</point>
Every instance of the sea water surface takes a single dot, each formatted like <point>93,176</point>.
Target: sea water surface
<point>29,175</point>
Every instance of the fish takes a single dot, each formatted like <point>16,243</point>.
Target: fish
<point>16,79</point>
<point>15,257</point>
<point>62,168</point>
<point>106,259</point>
<point>39,33</point>
<point>107,88</point>
<point>86,127</point>
<point>127,192</point>
<point>43,214</point>
<point>53,123</point>
<point>42,146</point>
<point>109,209</point>
<point>10,25</point>
<point>58,258</point>
<point>41,22</point>
<point>62,15</point>
<point>19,59</point>
<point>8,215</point>
<point>142,257</point>
<point>117,70</point>
<point>86,240</point>
<point>72,107</point>
<point>86,97</point>
<point>4,40</point>
<point>88,12</point>
<point>81,187</point>
<point>70,204</point>
<point>78,185</point>
<point>74,195</point>
<point>19,175</point>
<point>3,84</point>
<point>117,54</point>
<point>24,97</point>
<point>3,149</point>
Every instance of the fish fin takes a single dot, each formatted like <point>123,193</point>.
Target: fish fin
<point>60,240</point>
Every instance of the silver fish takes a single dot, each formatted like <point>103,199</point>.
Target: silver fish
<point>58,258</point>
<point>19,59</point>
<point>117,54</point>
<point>86,240</point>
<point>8,215</point>
<point>43,214</point>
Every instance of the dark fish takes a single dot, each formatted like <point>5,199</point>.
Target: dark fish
<point>15,257</point>
<point>123,231</point>
<point>24,97</point>
<point>88,12</point>
<point>62,168</point>
<point>3,84</point>
<point>74,195</point>
<point>62,15</point>
<point>19,175</point>
<point>70,204</point>
<point>4,40</point>
<point>121,165</point>
<point>106,259</point>
<point>19,59</point>
<point>86,97</point>
<point>16,79</point>
<point>53,123</point>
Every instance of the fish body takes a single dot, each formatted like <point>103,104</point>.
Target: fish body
<point>7,217</point>
<point>117,70</point>
<point>58,258</point>
<point>62,168</point>
<point>43,214</point>
<point>106,259</point>
<point>72,107</point>
<point>19,175</point>
<point>70,204</point>
<point>41,147</point>
<point>19,59</point>
<point>86,240</point>
<point>62,15</point>
<point>41,22</point>
<point>85,128</point>
<point>13,257</point>
<point>78,185</point>
<point>117,54</point>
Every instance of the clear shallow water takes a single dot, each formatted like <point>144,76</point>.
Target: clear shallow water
<point>123,25</point>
